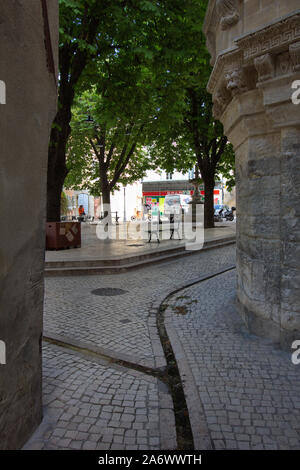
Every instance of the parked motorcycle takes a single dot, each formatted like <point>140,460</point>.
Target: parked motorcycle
<point>224,214</point>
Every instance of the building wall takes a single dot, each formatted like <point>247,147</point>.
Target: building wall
<point>255,49</point>
<point>24,134</point>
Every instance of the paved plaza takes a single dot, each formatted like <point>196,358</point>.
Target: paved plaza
<point>241,391</point>
<point>128,241</point>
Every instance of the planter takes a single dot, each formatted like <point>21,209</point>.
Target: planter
<point>63,235</point>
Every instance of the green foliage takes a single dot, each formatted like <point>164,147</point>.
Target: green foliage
<point>145,70</point>
<point>187,131</point>
<point>108,150</point>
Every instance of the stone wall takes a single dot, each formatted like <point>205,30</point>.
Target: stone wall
<point>29,71</point>
<point>255,49</point>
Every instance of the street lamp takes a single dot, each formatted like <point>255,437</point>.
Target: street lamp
<point>124,204</point>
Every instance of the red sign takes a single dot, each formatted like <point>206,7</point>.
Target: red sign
<point>164,193</point>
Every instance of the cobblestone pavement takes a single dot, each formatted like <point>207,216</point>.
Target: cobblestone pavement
<point>250,392</point>
<point>91,405</point>
<point>122,325</point>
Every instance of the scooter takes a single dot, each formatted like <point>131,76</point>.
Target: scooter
<point>227,214</point>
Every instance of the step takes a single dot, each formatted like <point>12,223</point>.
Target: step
<point>161,257</point>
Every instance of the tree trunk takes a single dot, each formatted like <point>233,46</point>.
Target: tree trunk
<point>209,185</point>
<point>106,202</point>
<point>54,199</point>
<point>57,170</point>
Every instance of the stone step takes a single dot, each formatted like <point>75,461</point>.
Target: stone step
<point>132,263</point>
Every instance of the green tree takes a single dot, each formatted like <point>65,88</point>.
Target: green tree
<point>106,144</point>
<point>93,33</point>
<point>80,23</point>
<point>191,134</point>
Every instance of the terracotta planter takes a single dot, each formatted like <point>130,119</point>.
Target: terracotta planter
<point>63,235</point>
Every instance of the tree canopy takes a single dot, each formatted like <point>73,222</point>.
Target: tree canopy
<point>139,69</point>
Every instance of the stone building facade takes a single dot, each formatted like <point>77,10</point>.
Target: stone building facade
<point>28,58</point>
<point>255,53</point>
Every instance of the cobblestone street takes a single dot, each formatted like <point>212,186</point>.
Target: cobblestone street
<point>250,391</point>
<point>246,393</point>
<point>90,405</point>
<point>123,324</point>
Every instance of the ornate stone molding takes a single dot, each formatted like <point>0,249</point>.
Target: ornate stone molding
<point>294,51</point>
<point>228,13</point>
<point>271,38</point>
<point>264,65</point>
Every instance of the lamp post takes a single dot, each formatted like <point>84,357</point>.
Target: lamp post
<point>124,189</point>
<point>196,198</point>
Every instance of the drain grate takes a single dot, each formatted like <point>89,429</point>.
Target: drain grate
<point>108,291</point>
<point>125,320</point>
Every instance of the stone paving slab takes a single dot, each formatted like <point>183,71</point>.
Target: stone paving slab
<point>91,405</point>
<point>93,249</point>
<point>249,390</point>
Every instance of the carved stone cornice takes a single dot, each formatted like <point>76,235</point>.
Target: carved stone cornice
<point>228,12</point>
<point>271,38</point>
<point>258,57</point>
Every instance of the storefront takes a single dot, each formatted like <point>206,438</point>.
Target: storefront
<point>154,193</point>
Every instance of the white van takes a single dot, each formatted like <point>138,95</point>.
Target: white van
<point>176,204</point>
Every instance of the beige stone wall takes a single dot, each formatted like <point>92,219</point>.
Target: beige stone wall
<point>24,133</point>
<point>251,84</point>
<point>227,20</point>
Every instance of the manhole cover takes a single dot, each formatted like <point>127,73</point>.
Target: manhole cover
<point>136,244</point>
<point>109,291</point>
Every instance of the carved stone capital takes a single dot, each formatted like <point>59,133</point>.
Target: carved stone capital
<point>228,12</point>
<point>264,65</point>
<point>294,50</point>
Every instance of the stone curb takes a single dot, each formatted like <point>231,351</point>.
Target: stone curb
<point>196,413</point>
<point>168,438</point>
<point>115,269</point>
<point>106,353</point>
<point>199,427</point>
